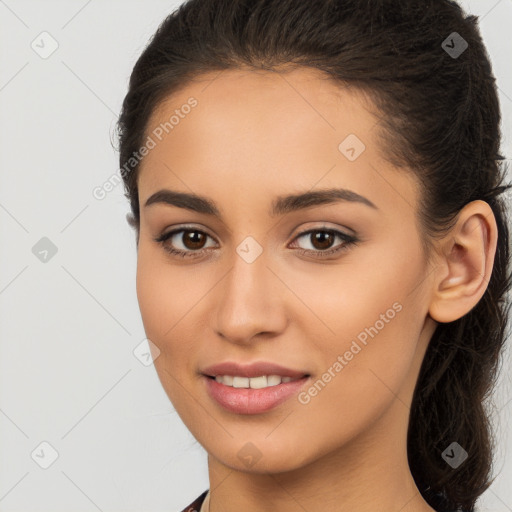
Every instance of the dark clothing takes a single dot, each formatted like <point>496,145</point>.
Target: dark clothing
<point>196,504</point>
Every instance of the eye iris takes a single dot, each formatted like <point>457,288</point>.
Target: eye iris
<point>192,237</point>
<point>319,236</point>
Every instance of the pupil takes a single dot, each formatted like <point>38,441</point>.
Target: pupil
<point>318,237</point>
<point>194,235</point>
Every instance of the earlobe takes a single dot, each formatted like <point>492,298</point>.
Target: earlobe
<point>465,264</point>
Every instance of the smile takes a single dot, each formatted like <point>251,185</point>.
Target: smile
<point>263,381</point>
<point>243,396</point>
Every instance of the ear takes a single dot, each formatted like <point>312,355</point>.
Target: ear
<point>465,263</point>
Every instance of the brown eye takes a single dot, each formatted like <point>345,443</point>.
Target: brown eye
<point>193,240</point>
<point>184,242</point>
<point>322,239</point>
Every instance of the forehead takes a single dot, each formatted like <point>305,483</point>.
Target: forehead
<point>254,100</point>
<point>264,131</point>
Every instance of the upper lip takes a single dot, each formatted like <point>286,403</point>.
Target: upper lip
<point>251,370</point>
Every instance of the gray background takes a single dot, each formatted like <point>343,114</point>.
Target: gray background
<point>69,326</point>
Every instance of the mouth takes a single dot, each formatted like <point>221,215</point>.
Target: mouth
<point>252,395</point>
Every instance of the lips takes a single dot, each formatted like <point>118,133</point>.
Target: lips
<point>256,369</point>
<point>248,400</point>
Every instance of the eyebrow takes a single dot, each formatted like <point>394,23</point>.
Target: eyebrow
<point>281,205</point>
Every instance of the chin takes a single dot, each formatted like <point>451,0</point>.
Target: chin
<point>260,457</point>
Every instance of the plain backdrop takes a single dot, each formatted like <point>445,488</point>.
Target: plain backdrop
<point>75,394</point>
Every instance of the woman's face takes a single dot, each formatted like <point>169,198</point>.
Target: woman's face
<point>262,281</point>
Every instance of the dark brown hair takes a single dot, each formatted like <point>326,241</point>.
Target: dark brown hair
<point>440,117</point>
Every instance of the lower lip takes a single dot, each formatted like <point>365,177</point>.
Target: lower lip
<point>252,401</point>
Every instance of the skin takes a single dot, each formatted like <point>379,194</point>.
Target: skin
<point>254,136</point>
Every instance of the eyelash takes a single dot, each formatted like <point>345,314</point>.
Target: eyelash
<point>348,239</point>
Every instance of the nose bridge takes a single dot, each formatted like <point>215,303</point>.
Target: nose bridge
<point>248,301</point>
<point>249,275</point>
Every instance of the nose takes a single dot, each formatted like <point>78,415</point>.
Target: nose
<point>250,301</point>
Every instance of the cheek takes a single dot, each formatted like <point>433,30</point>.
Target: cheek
<point>151,297</point>
<point>362,371</point>
<point>162,306</point>
<point>366,288</point>
<point>374,313</point>
<point>159,301</point>
<point>167,300</point>
<point>161,292</point>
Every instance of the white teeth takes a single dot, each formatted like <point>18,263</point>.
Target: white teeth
<point>273,380</point>
<point>263,381</point>
<point>258,382</point>
<point>240,382</point>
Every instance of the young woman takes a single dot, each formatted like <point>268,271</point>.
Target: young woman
<point>316,188</point>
